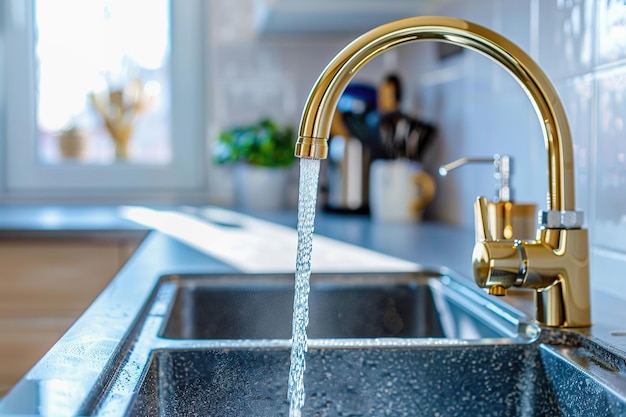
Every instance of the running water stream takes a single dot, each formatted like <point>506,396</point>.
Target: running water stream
<point>309,176</point>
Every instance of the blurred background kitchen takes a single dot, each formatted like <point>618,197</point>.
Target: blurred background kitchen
<point>143,102</point>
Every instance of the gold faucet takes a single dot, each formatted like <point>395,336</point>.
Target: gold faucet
<point>556,263</point>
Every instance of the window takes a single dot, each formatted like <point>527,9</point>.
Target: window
<point>103,96</point>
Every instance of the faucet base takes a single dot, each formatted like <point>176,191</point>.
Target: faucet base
<point>565,302</point>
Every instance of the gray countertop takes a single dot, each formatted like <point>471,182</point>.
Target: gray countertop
<point>60,222</point>
<point>106,324</point>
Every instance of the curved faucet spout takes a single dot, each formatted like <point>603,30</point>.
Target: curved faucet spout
<point>320,106</point>
<point>556,264</point>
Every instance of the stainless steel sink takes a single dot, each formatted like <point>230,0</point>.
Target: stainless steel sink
<point>406,305</point>
<point>505,380</point>
<point>426,381</point>
<point>405,344</point>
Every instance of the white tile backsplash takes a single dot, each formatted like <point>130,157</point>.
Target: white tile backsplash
<point>607,271</point>
<point>565,37</point>
<point>581,46</point>
<point>610,181</point>
<point>610,36</point>
<point>513,16</point>
<point>577,95</point>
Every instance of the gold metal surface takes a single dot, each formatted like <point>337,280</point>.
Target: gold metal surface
<point>481,219</point>
<point>497,263</point>
<point>509,220</point>
<point>322,101</point>
<point>497,290</point>
<point>556,263</point>
<point>312,148</point>
<point>560,257</point>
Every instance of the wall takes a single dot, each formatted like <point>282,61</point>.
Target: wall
<point>254,76</point>
<point>581,45</point>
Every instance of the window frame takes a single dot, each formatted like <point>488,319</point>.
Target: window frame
<point>24,176</point>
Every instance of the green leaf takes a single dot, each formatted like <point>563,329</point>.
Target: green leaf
<point>265,143</point>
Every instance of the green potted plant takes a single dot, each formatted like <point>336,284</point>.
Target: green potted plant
<point>265,144</point>
<point>262,154</point>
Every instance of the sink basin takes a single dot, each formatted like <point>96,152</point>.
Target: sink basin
<point>406,305</point>
<point>425,381</point>
<point>401,344</point>
<point>495,380</point>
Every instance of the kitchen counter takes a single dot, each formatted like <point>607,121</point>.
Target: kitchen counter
<point>63,222</point>
<point>74,366</point>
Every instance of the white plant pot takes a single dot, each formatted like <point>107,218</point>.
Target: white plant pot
<point>261,188</point>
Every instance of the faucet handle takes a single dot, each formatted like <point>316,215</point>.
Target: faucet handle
<point>481,220</point>
<point>497,263</point>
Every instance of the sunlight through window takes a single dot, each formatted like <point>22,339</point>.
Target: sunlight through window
<point>103,81</point>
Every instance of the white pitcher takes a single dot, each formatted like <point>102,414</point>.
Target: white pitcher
<point>399,190</point>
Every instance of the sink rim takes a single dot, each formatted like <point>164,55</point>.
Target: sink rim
<point>495,313</point>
